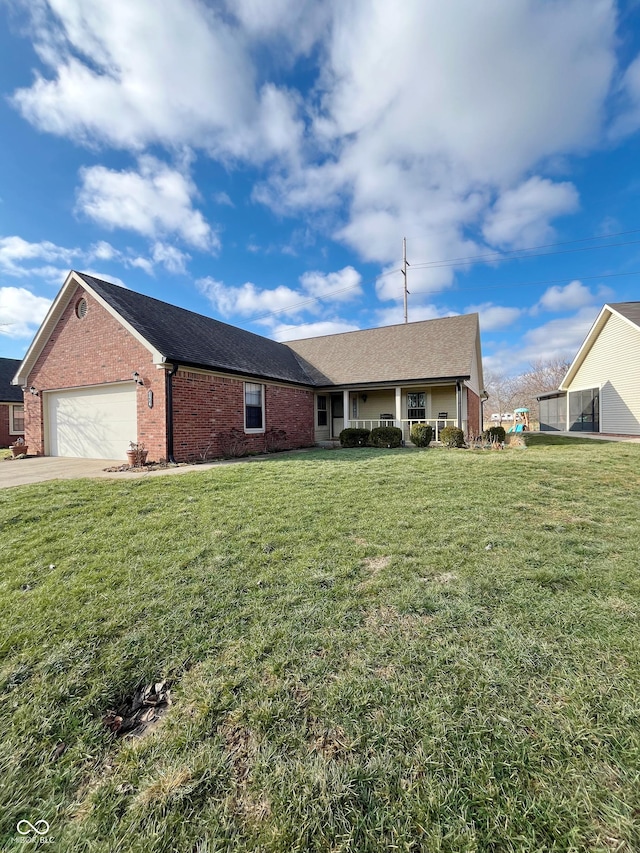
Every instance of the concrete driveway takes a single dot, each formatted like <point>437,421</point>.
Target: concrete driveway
<point>37,469</point>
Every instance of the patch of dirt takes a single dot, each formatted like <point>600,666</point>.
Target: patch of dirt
<point>164,787</point>
<point>376,564</point>
<point>444,578</point>
<point>240,746</point>
<point>148,466</point>
<point>386,619</point>
<point>618,605</point>
<point>331,743</point>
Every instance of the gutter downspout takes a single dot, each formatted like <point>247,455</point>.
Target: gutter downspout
<point>169,403</point>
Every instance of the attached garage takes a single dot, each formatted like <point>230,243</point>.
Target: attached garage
<point>95,422</point>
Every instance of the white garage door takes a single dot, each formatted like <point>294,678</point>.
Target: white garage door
<point>92,423</point>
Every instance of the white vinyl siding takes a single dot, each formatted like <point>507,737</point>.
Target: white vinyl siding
<point>613,365</point>
<point>92,423</point>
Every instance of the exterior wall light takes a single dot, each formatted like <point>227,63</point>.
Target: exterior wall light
<point>136,378</point>
<point>33,390</point>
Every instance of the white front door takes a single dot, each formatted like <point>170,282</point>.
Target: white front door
<point>97,422</point>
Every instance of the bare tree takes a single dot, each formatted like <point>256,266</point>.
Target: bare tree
<point>542,376</point>
<point>502,391</point>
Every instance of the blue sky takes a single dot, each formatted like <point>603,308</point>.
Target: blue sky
<point>261,162</point>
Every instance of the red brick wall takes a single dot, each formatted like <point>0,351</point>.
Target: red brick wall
<point>207,407</point>
<point>5,438</point>
<point>91,351</point>
<point>473,412</point>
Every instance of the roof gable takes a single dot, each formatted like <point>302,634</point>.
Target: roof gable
<point>430,349</point>
<point>185,337</point>
<point>627,311</point>
<point>441,349</point>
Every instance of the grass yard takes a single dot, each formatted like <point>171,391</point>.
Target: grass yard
<point>369,651</point>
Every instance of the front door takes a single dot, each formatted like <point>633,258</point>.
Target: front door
<point>337,415</point>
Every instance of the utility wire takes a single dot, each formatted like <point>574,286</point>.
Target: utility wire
<point>507,255</point>
<point>496,287</point>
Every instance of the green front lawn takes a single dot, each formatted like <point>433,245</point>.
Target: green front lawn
<point>369,651</point>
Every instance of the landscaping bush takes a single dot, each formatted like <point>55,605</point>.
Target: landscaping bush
<point>421,435</point>
<point>494,433</point>
<point>385,437</point>
<point>353,437</point>
<point>452,437</point>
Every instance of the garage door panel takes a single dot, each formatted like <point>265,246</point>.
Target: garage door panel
<point>92,423</point>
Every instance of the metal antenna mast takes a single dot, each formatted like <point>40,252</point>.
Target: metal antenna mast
<point>405,264</point>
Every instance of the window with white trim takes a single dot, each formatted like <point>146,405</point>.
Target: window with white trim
<point>416,408</point>
<point>322,409</point>
<point>16,419</point>
<point>253,407</point>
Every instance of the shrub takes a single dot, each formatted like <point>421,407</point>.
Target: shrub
<point>494,433</point>
<point>385,437</point>
<point>421,435</point>
<point>274,440</point>
<point>353,437</point>
<point>234,443</point>
<point>452,437</point>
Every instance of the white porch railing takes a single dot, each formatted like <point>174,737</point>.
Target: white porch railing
<point>405,425</point>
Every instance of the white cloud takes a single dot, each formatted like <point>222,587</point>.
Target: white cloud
<point>395,315</point>
<point>122,74</point>
<point>494,316</point>
<point>568,298</point>
<point>559,338</point>
<point>17,256</point>
<point>421,114</point>
<point>154,201</point>
<point>247,299</point>
<point>103,251</point>
<point>170,257</point>
<point>520,216</point>
<point>341,286</point>
<point>628,119</point>
<point>312,330</point>
<point>223,198</point>
<point>21,312</point>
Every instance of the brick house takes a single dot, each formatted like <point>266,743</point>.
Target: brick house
<point>109,366</point>
<point>11,403</point>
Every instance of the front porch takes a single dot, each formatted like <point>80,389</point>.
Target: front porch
<point>439,405</point>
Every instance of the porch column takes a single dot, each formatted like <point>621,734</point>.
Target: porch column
<point>398,406</point>
<point>459,403</point>
<point>347,412</point>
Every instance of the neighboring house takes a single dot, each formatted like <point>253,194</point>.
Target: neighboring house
<point>109,366</point>
<point>601,391</point>
<point>11,403</point>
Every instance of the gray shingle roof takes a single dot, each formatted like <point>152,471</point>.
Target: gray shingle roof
<point>9,393</point>
<point>430,349</point>
<point>192,339</point>
<point>630,310</point>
